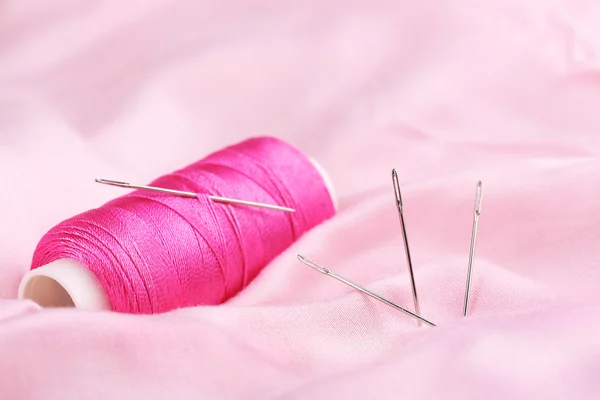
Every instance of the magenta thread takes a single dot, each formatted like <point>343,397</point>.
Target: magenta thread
<point>155,252</point>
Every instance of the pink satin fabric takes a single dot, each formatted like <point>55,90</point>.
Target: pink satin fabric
<point>503,91</point>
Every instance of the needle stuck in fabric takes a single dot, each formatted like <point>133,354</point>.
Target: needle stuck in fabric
<point>399,205</point>
<point>361,289</point>
<point>476,214</point>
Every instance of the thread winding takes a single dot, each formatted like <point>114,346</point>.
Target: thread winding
<point>155,252</point>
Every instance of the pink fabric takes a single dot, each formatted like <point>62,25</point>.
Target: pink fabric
<point>505,91</point>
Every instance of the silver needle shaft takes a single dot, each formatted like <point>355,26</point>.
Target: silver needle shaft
<point>398,195</point>
<point>361,289</point>
<point>476,213</point>
<point>194,195</point>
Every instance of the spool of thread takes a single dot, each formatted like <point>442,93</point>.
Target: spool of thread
<point>149,252</point>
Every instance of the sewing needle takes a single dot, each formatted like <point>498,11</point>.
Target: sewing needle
<point>193,195</point>
<point>361,289</point>
<point>476,213</point>
<point>398,195</point>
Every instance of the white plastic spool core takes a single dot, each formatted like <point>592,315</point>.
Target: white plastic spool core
<point>64,283</point>
<point>68,283</point>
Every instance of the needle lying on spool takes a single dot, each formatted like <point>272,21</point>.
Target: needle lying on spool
<point>193,195</point>
<point>328,272</point>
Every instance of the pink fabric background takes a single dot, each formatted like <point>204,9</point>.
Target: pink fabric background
<point>448,93</point>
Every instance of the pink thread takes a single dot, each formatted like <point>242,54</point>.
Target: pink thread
<point>155,252</point>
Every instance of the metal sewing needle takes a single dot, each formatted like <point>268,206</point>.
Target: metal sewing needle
<point>476,213</point>
<point>398,195</point>
<point>194,195</point>
<point>361,289</point>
